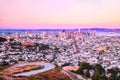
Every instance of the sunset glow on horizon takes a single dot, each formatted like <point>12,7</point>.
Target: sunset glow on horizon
<point>53,14</point>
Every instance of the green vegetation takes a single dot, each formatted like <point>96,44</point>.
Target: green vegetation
<point>115,73</point>
<point>84,69</point>
<point>98,68</point>
<point>99,72</point>
<point>87,74</point>
<point>97,76</point>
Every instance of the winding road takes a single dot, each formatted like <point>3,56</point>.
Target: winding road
<point>47,66</point>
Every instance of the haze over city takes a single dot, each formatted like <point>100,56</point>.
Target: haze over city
<point>54,14</point>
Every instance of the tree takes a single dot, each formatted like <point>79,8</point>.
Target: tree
<point>80,71</point>
<point>103,77</point>
<point>114,73</point>
<point>99,68</point>
<point>85,65</point>
<point>87,73</point>
<point>98,76</point>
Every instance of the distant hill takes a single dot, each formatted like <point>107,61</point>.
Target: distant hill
<point>59,30</point>
<point>100,30</point>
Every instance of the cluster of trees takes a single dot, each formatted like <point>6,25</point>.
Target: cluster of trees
<point>115,73</point>
<point>99,73</point>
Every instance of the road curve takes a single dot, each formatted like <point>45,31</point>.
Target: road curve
<point>47,66</point>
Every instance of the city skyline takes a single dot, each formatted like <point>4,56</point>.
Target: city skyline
<point>68,14</point>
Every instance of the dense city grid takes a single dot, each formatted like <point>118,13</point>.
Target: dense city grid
<point>69,48</point>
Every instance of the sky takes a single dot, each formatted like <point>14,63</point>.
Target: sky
<point>40,14</point>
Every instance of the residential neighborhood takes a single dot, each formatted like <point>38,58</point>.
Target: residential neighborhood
<point>70,48</point>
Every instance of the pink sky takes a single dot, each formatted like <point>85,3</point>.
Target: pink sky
<point>38,14</point>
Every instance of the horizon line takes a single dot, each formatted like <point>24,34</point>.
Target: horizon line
<point>52,28</point>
